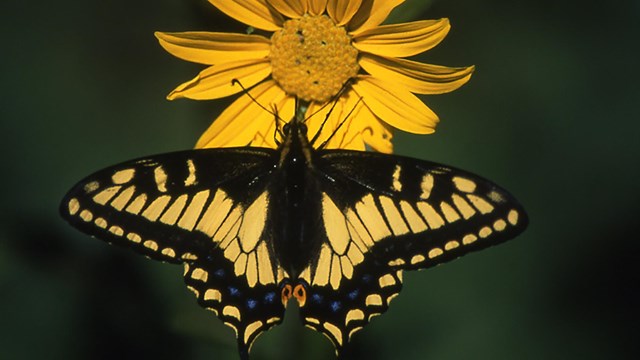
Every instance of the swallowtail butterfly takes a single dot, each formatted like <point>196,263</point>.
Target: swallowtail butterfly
<point>255,227</point>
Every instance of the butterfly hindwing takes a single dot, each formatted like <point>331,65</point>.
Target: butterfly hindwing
<point>248,310</point>
<point>207,209</point>
<point>362,294</point>
<point>384,214</point>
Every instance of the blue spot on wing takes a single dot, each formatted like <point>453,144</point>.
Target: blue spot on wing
<point>353,294</point>
<point>335,306</point>
<point>317,298</point>
<point>233,291</point>
<point>270,297</point>
<point>251,304</point>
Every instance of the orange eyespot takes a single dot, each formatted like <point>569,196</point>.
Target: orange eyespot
<point>300,294</point>
<point>285,294</point>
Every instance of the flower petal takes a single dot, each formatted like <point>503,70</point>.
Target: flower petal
<point>341,11</point>
<point>316,7</point>
<point>256,13</point>
<point>415,76</point>
<point>292,9</point>
<point>378,134</point>
<point>216,81</point>
<point>402,40</point>
<point>371,14</point>
<point>351,124</point>
<point>395,105</point>
<point>321,127</point>
<point>342,130</point>
<point>214,48</point>
<point>245,123</point>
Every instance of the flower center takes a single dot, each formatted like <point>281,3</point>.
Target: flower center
<point>312,58</point>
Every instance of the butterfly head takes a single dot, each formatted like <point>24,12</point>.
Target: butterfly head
<point>294,128</point>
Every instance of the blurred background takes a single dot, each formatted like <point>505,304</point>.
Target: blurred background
<point>550,114</point>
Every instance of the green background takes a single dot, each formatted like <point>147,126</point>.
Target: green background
<point>550,114</point>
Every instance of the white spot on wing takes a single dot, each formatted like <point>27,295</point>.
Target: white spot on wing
<point>86,215</point>
<point>74,206</point>
<point>91,187</point>
<point>397,185</point>
<point>512,217</point>
<point>123,176</point>
<point>464,184</point>
<point>426,185</point>
<point>496,197</point>
<point>191,178</point>
<point>160,176</point>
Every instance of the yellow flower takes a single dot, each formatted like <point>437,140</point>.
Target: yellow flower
<point>315,47</point>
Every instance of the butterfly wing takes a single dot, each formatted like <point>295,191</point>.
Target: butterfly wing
<point>384,214</point>
<point>207,209</point>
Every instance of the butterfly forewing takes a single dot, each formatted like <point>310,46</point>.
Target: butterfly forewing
<point>206,209</point>
<point>384,214</point>
<point>414,214</point>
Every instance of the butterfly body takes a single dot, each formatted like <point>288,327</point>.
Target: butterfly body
<point>295,196</point>
<point>255,228</point>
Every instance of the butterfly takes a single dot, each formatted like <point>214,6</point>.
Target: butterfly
<point>256,227</point>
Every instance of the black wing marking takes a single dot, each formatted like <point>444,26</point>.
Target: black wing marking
<point>385,214</point>
<point>207,209</point>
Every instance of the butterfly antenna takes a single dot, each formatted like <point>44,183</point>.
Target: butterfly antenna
<point>273,111</point>
<point>333,102</point>
<point>324,143</point>
<point>277,130</point>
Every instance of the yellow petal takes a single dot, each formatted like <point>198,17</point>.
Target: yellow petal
<point>318,125</point>
<point>402,40</point>
<point>216,81</point>
<point>256,13</point>
<point>343,129</point>
<point>415,76</point>
<point>214,48</point>
<point>341,11</point>
<point>246,123</point>
<point>395,105</point>
<point>316,7</point>
<point>350,125</point>
<point>371,14</point>
<point>377,135</point>
<point>347,136</point>
<point>290,8</point>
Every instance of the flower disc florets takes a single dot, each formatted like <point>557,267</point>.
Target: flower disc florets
<point>312,58</point>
